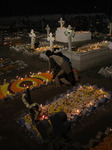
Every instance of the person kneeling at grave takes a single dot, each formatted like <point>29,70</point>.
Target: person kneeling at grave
<point>32,107</point>
<point>62,69</point>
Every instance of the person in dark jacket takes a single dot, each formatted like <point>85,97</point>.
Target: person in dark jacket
<point>62,69</point>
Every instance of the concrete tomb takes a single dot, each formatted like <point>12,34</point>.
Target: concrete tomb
<point>79,35</point>
<point>90,55</point>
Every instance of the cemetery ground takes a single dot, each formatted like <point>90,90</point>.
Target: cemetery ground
<point>14,137</point>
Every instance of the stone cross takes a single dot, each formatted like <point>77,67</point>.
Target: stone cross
<point>50,39</point>
<point>110,28</point>
<point>70,34</point>
<point>48,30</point>
<point>62,22</point>
<point>32,35</point>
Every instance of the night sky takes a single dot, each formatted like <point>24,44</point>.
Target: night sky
<point>38,7</point>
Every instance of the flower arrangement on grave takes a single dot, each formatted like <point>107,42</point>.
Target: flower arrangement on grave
<point>74,104</point>
<point>45,48</point>
<point>91,47</point>
<point>19,84</point>
<point>77,102</point>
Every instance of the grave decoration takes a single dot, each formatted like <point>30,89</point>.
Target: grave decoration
<point>12,40</point>
<point>11,43</point>
<point>91,47</point>
<point>61,22</point>
<point>75,104</point>
<point>50,38</point>
<point>79,35</point>
<point>7,65</point>
<point>48,30</point>
<point>20,48</point>
<point>110,28</point>
<point>25,48</point>
<point>110,45</point>
<point>69,33</point>
<point>106,72</point>
<point>17,86</point>
<point>32,35</point>
<point>45,48</point>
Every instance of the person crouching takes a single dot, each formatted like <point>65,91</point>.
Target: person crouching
<point>62,69</point>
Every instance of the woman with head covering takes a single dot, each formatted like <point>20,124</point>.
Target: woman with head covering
<point>62,70</point>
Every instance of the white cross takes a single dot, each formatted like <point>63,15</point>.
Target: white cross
<point>50,39</point>
<point>70,34</point>
<point>62,22</point>
<point>48,30</point>
<point>33,36</point>
<point>110,28</point>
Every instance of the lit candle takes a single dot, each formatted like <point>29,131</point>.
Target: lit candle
<point>77,111</point>
<point>91,103</point>
<point>39,72</point>
<point>4,80</point>
<point>40,107</point>
<point>7,92</point>
<point>46,81</point>
<point>18,78</point>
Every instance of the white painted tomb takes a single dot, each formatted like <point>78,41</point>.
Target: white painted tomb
<point>82,36</point>
<point>89,59</point>
<point>60,35</point>
<point>79,35</point>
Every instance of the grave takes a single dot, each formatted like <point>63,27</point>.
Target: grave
<point>32,35</point>
<point>109,35</point>
<point>78,35</point>
<point>50,38</point>
<point>110,28</point>
<point>48,30</point>
<point>58,115</point>
<point>89,56</point>
<point>70,35</point>
<point>82,36</point>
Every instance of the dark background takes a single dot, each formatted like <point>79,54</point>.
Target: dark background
<point>38,7</point>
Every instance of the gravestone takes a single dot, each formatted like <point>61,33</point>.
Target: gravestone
<point>48,30</point>
<point>50,39</point>
<point>62,22</point>
<point>69,33</point>
<point>110,28</point>
<point>32,35</point>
